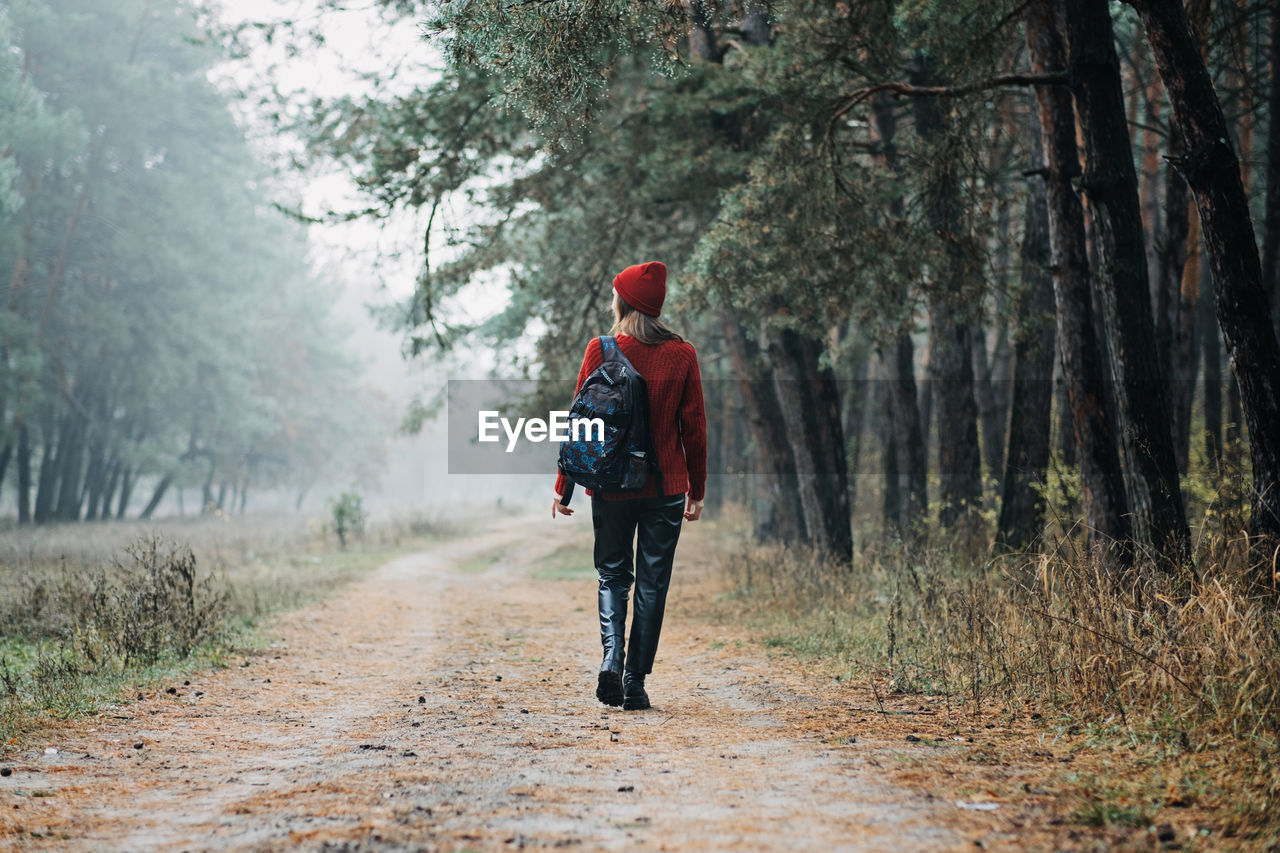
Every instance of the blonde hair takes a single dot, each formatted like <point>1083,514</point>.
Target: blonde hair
<point>643,327</point>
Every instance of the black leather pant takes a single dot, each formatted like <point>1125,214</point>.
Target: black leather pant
<point>654,525</point>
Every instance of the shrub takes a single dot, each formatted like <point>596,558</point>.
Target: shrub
<point>348,515</point>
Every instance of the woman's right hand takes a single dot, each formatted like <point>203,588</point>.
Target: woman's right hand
<point>692,509</point>
<point>558,508</point>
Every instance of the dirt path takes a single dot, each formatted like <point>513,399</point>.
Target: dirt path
<point>445,703</point>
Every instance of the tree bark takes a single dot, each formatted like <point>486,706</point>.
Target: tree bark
<point>1111,187</point>
<point>702,40</point>
<point>1212,172</point>
<point>71,466</point>
<point>854,415</point>
<point>906,497</point>
<point>755,22</point>
<point>24,474</point>
<point>1101,479</point>
<point>1212,383</point>
<point>891,498</point>
<point>991,414</point>
<point>1175,313</point>
<point>950,346</point>
<point>810,407</point>
<point>779,518</point>
<point>100,468</point>
<point>127,481</point>
<point>156,496</point>
<point>908,445</point>
<point>1027,460</point>
<point>1151,168</point>
<point>718,417</point>
<point>1232,452</point>
<point>1271,223</point>
<point>109,491</point>
<point>47,483</point>
<point>5,456</point>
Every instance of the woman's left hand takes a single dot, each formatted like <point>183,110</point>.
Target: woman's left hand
<point>559,508</point>
<point>692,509</point>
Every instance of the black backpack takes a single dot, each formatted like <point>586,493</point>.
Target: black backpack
<point>619,460</point>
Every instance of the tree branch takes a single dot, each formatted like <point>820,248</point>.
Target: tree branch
<point>1048,78</point>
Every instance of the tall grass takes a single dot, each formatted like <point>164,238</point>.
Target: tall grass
<point>1187,663</point>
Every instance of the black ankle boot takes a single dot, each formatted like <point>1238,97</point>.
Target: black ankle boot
<point>609,688</point>
<point>633,696</point>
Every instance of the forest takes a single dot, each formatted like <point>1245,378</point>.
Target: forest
<point>1003,271</point>
<point>162,324</point>
<point>986,302</point>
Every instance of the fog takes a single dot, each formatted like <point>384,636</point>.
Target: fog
<point>175,343</point>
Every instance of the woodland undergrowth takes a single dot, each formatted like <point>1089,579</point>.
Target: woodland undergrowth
<point>1182,666</point>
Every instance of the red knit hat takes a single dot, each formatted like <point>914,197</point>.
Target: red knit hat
<point>643,286</point>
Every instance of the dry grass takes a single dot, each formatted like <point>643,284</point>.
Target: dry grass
<point>90,610</point>
<point>1181,674</point>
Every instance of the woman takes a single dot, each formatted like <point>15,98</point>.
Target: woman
<point>678,425</point>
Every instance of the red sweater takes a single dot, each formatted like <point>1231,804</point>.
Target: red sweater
<point>677,420</point>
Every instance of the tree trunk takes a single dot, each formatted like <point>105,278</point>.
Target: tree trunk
<point>755,22</point>
<point>1151,169</point>
<point>950,347</point>
<point>853,416</point>
<point>810,406</point>
<point>779,516</point>
<point>1271,226</point>
<point>71,465</point>
<point>157,496</point>
<point>24,474</point>
<point>1175,313</point>
<point>127,481</point>
<point>1111,187</point>
<point>5,456</point>
<point>989,409</point>
<point>206,488</point>
<point>717,407</point>
<point>925,400</point>
<point>1022,501</point>
<point>95,478</point>
<point>702,40</point>
<point>908,445</point>
<point>959,461</point>
<point>891,497</point>
<point>102,468</point>
<point>1001,366</point>
<point>47,484</point>
<point>1066,436</point>
<point>906,496</point>
<point>1233,440</point>
<point>109,491</point>
<point>1212,383</point>
<point>1101,480</point>
<point>1212,172</point>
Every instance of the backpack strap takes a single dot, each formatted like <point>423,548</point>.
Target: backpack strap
<point>568,491</point>
<point>609,349</point>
